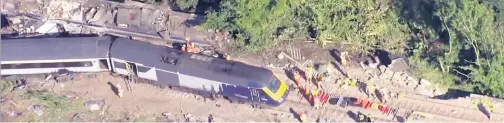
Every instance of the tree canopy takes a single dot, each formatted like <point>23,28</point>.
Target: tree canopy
<point>456,43</point>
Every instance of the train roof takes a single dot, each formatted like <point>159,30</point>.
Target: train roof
<point>201,66</point>
<point>54,48</point>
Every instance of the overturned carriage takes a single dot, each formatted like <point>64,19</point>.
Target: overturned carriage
<point>161,65</point>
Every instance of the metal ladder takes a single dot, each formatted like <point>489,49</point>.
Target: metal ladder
<point>132,78</point>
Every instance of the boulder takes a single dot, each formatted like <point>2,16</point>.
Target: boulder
<point>280,56</point>
<point>94,105</point>
<point>166,114</point>
<point>399,65</point>
<point>37,109</point>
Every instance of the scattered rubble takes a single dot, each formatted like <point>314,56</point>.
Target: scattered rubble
<point>3,99</point>
<point>166,114</point>
<point>94,105</point>
<point>281,56</point>
<point>19,85</point>
<point>188,117</point>
<point>78,117</point>
<point>37,109</point>
<point>289,57</point>
<point>371,62</point>
<point>70,94</point>
<point>50,27</point>
<point>210,118</point>
<point>15,114</point>
<point>131,20</point>
<point>295,53</point>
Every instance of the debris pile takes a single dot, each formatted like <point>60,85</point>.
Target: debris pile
<point>188,117</point>
<point>94,105</point>
<point>131,20</point>
<point>373,62</point>
<point>37,109</point>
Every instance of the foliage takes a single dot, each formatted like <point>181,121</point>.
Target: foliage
<point>425,70</point>
<point>473,24</point>
<point>362,24</point>
<point>256,24</point>
<point>5,86</point>
<point>186,4</point>
<point>456,43</point>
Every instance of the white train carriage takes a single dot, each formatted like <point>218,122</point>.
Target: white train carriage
<point>164,66</point>
<point>48,55</point>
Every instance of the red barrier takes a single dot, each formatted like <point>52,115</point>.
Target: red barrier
<point>368,104</point>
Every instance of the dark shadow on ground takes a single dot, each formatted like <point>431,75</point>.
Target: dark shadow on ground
<point>336,55</point>
<point>195,21</point>
<point>379,95</point>
<point>384,57</point>
<point>337,66</point>
<point>113,87</point>
<point>295,114</point>
<point>484,110</point>
<point>334,100</point>
<point>400,119</point>
<point>452,94</point>
<point>289,74</point>
<point>4,21</point>
<point>353,116</point>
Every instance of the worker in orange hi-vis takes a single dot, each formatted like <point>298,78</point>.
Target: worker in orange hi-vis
<point>297,78</point>
<point>192,47</point>
<point>227,57</point>
<point>320,82</point>
<point>184,48</point>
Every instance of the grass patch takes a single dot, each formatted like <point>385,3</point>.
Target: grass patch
<point>423,69</point>
<point>146,119</point>
<point>56,108</point>
<point>6,86</point>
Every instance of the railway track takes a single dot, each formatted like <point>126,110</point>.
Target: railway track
<point>337,114</point>
<point>332,113</point>
<point>437,110</point>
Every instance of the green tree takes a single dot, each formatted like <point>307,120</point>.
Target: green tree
<point>186,4</point>
<point>361,24</point>
<point>256,23</point>
<point>476,30</point>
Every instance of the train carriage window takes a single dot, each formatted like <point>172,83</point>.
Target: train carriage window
<point>77,64</point>
<point>8,66</point>
<point>51,65</point>
<point>274,85</point>
<point>24,66</point>
<point>47,65</point>
<point>120,65</point>
<point>143,69</point>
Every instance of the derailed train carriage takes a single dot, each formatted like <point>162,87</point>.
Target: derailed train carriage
<point>164,66</point>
